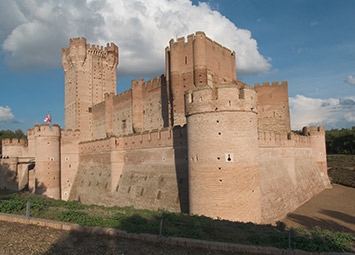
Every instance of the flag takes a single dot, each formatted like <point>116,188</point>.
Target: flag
<point>48,118</point>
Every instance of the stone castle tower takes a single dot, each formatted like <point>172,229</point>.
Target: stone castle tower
<point>90,73</point>
<point>195,62</point>
<point>224,178</point>
<point>47,155</point>
<point>193,140</point>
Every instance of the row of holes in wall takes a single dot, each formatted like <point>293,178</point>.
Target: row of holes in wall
<point>229,157</point>
<point>161,179</point>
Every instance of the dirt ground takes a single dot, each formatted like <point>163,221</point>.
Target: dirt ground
<point>333,209</point>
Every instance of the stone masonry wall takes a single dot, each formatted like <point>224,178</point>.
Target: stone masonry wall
<point>273,107</point>
<point>153,175</point>
<point>289,176</point>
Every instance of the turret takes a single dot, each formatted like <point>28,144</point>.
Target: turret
<point>90,73</point>
<point>111,55</point>
<point>222,152</point>
<point>47,157</point>
<point>317,135</point>
<point>77,51</point>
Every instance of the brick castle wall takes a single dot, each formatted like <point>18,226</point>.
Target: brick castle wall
<point>273,107</point>
<point>146,170</point>
<point>194,140</point>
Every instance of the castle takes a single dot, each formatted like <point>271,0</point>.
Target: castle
<point>194,140</point>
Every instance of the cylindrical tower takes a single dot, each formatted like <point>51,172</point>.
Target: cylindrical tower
<point>223,152</point>
<point>317,135</point>
<point>47,157</point>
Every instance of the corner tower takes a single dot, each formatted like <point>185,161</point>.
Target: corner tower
<point>90,73</point>
<point>196,62</point>
<point>317,136</point>
<point>224,180</point>
<point>47,156</point>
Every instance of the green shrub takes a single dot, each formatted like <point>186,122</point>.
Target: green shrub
<point>12,206</point>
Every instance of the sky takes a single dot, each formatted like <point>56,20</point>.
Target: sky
<point>309,43</point>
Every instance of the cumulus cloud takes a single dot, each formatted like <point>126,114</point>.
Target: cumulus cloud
<point>331,112</point>
<point>5,114</point>
<point>350,80</point>
<point>141,28</point>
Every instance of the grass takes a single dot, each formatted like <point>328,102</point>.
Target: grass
<point>175,224</point>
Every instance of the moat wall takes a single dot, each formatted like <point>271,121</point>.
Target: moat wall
<point>146,171</point>
<point>149,171</point>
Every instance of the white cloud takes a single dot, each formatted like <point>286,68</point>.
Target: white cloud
<point>142,29</point>
<point>5,114</point>
<point>331,112</point>
<point>350,80</point>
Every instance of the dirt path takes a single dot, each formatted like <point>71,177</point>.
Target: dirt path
<point>332,209</point>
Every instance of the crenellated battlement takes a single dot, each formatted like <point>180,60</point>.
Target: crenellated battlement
<point>273,84</point>
<point>46,130</point>
<point>163,137</point>
<point>14,142</point>
<point>96,50</point>
<point>79,50</point>
<point>70,133</point>
<point>109,95</point>
<point>313,131</point>
<point>126,95</point>
<point>138,82</point>
<point>182,41</point>
<point>102,51</point>
<point>111,47</point>
<point>147,139</point>
<point>79,41</point>
<point>274,139</point>
<point>95,47</point>
<point>225,97</point>
<point>96,146</point>
<point>152,84</point>
<point>270,138</point>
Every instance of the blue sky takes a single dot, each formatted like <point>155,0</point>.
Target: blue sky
<point>309,43</point>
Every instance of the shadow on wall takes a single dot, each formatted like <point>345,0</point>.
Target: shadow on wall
<point>164,101</point>
<point>40,189</point>
<point>181,166</point>
<point>8,177</point>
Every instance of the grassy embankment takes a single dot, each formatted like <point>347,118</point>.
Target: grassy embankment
<point>196,227</point>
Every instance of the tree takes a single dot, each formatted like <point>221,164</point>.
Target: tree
<point>340,141</point>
